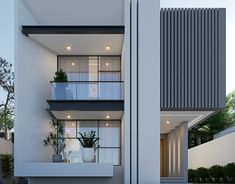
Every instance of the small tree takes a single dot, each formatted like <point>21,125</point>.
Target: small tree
<point>9,121</point>
<point>52,139</point>
<point>7,84</point>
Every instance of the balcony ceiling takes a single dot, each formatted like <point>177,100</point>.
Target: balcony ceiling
<point>82,44</point>
<point>77,12</point>
<point>88,115</point>
<point>175,118</point>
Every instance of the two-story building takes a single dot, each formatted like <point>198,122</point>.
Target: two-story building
<point>137,75</point>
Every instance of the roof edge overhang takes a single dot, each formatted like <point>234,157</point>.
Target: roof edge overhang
<point>27,30</point>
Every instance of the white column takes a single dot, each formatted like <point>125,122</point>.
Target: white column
<point>149,91</point>
<point>142,98</point>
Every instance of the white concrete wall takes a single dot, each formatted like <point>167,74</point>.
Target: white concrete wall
<point>5,147</point>
<point>148,72</point>
<point>116,179</point>
<point>34,68</point>
<point>219,151</point>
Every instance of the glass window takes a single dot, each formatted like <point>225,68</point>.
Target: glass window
<point>79,68</point>
<point>87,126</point>
<point>110,63</point>
<point>89,68</point>
<point>107,131</point>
<point>69,129</point>
<point>110,76</point>
<point>109,155</point>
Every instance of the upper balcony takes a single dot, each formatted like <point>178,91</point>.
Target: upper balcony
<point>93,83</point>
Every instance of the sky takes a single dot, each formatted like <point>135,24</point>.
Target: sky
<point>6,34</point>
<point>7,31</point>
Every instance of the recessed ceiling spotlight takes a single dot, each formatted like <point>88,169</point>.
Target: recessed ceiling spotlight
<point>68,47</point>
<point>73,64</point>
<point>107,47</point>
<point>68,116</point>
<point>106,124</point>
<point>107,64</point>
<point>107,116</point>
<point>168,122</point>
<point>72,124</point>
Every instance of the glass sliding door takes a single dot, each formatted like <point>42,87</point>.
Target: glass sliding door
<point>110,74</point>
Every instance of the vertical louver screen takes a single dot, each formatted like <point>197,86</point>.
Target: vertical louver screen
<point>192,59</point>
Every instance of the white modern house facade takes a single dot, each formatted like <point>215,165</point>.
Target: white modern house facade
<point>139,76</point>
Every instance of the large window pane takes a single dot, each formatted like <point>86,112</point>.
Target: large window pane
<point>79,68</point>
<point>110,76</point>
<point>110,63</point>
<point>109,133</point>
<point>87,126</point>
<point>73,151</point>
<point>109,155</point>
<point>69,129</point>
<point>110,90</point>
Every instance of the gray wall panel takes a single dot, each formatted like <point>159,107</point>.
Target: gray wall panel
<point>192,59</point>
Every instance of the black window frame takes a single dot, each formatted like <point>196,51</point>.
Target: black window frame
<point>98,68</point>
<point>98,125</point>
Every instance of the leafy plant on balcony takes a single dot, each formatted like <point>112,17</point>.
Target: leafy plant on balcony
<point>60,76</point>
<point>88,140</point>
<point>52,139</point>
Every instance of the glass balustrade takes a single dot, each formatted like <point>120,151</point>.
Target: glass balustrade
<point>87,90</point>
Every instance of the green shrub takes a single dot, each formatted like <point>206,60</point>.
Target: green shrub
<point>191,175</point>
<point>7,165</point>
<point>216,172</point>
<point>202,174</point>
<point>60,76</point>
<point>229,171</point>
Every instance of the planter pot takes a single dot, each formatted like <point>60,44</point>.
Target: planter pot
<point>60,91</point>
<point>88,155</point>
<point>57,158</point>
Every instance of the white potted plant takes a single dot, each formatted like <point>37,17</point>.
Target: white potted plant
<point>89,144</point>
